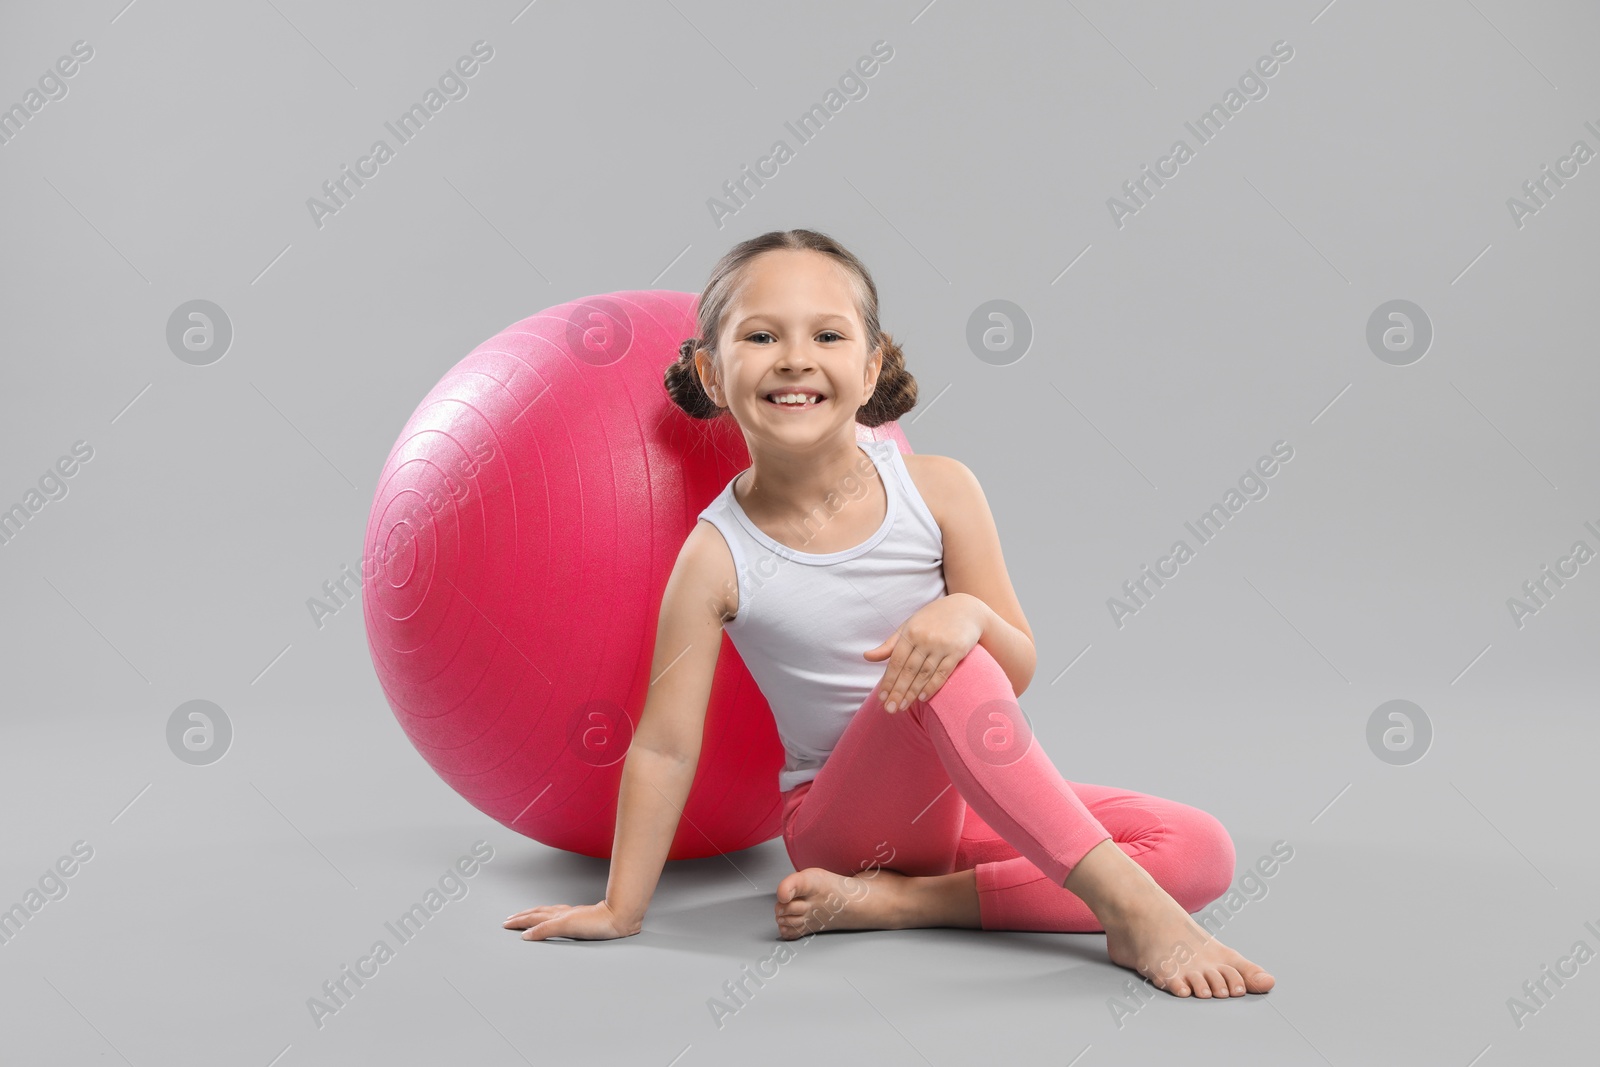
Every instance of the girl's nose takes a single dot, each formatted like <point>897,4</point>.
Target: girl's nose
<point>796,357</point>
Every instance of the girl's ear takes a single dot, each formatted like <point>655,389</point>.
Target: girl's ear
<point>702,370</point>
<point>874,368</point>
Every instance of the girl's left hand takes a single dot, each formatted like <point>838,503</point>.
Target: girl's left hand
<point>924,651</point>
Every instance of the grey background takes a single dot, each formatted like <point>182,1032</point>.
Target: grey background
<point>1229,313</point>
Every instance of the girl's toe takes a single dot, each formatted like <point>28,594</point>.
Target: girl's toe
<point>1219,984</point>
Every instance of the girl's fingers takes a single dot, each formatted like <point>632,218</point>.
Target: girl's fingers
<point>919,681</point>
<point>919,677</point>
<point>903,679</point>
<point>930,685</point>
<point>896,664</point>
<point>903,687</point>
<point>891,682</point>
<point>891,674</point>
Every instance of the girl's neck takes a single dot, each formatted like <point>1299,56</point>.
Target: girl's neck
<point>786,485</point>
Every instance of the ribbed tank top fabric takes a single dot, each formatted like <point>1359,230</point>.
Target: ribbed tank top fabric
<point>804,618</point>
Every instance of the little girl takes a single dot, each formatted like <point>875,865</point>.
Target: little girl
<point>866,592</point>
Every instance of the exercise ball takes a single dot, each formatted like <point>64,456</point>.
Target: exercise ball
<point>520,540</point>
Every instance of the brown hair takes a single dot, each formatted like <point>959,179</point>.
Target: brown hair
<point>896,391</point>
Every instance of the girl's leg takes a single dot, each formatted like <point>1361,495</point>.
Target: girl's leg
<point>1186,850</point>
<point>884,797</point>
<point>881,801</point>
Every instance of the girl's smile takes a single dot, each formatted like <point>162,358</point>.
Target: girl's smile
<point>788,399</point>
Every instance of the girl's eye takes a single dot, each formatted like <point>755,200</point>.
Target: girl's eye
<point>825,333</point>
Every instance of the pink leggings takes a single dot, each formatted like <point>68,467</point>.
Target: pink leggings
<point>884,798</point>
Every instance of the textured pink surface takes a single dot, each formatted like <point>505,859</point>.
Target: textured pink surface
<point>522,533</point>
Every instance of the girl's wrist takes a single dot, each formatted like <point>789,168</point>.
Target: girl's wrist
<point>981,611</point>
<point>632,921</point>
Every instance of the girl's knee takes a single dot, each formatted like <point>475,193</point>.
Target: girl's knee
<point>1207,859</point>
<point>976,691</point>
<point>976,678</point>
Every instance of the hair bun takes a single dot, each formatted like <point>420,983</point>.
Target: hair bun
<point>683,383</point>
<point>896,391</point>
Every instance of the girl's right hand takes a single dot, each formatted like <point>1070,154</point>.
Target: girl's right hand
<point>586,922</point>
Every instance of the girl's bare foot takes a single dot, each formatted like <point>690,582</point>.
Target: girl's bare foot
<point>1161,942</point>
<point>1150,933</point>
<point>816,899</point>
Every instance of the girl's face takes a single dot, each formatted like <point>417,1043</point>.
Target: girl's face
<point>793,329</point>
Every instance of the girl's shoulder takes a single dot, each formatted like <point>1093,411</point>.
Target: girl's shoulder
<point>945,483</point>
<point>709,570</point>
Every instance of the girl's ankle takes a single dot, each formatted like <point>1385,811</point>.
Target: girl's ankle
<point>1117,890</point>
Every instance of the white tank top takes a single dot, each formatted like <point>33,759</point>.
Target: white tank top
<point>805,618</point>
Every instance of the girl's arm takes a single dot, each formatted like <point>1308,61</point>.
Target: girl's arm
<point>654,788</point>
<point>661,762</point>
<point>973,563</point>
<point>665,753</point>
<point>1011,648</point>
